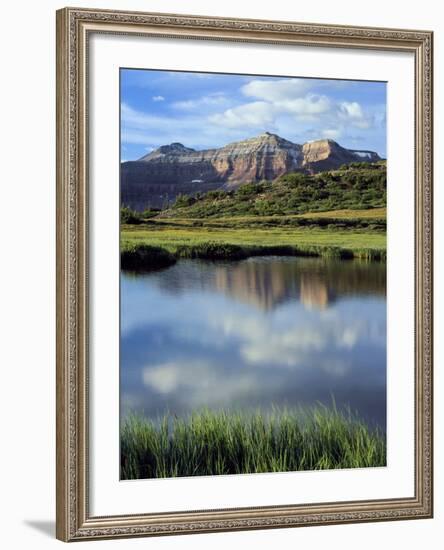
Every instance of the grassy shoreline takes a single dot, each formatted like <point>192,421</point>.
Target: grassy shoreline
<point>221,443</point>
<point>143,256</point>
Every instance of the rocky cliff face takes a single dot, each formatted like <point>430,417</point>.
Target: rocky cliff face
<point>326,154</point>
<point>157,178</point>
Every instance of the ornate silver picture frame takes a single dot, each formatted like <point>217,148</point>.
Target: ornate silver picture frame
<point>74,518</point>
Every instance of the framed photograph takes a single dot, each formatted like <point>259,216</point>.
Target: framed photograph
<point>244,274</point>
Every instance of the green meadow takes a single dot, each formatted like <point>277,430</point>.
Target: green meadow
<point>221,238</point>
<point>172,236</point>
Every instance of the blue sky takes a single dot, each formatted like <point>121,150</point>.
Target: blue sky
<point>204,110</point>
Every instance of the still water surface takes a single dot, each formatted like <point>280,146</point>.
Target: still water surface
<point>252,334</point>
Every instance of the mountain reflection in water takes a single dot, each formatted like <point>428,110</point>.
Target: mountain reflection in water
<point>268,281</point>
<point>255,333</point>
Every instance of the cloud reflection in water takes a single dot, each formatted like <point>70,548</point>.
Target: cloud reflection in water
<point>250,334</point>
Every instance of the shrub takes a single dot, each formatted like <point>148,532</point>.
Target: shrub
<point>294,179</point>
<point>150,213</point>
<point>183,201</point>
<point>144,257</point>
<point>215,194</point>
<point>129,216</point>
<point>249,189</point>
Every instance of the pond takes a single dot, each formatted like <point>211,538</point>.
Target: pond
<point>254,334</point>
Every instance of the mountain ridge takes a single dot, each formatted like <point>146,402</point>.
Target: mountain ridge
<point>158,177</point>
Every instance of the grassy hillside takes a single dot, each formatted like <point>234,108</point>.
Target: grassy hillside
<point>356,186</point>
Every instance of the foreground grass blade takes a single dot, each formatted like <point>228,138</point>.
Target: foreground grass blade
<point>221,442</point>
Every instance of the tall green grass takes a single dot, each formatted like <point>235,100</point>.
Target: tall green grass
<point>138,255</point>
<point>212,443</point>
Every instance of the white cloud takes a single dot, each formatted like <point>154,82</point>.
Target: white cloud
<point>335,367</point>
<point>174,376</point>
<point>263,114</point>
<point>331,133</point>
<point>213,100</point>
<point>193,130</point>
<point>134,118</point>
<point>158,98</point>
<point>276,90</point>
<point>202,382</point>
<point>256,114</point>
<point>353,109</point>
<point>349,337</point>
<point>280,99</point>
<point>135,137</point>
<point>353,114</point>
<point>262,345</point>
<point>380,117</point>
<point>363,124</point>
<point>275,101</point>
<point>153,130</point>
<point>311,104</point>
<point>163,378</point>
